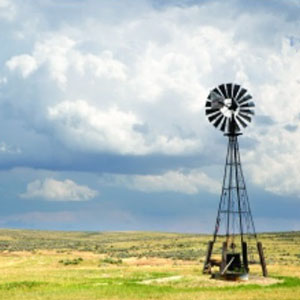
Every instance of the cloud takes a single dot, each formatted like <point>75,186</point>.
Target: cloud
<point>26,64</point>
<point>189,182</point>
<point>8,10</point>
<point>84,126</point>
<point>55,190</point>
<point>59,55</point>
<point>273,164</point>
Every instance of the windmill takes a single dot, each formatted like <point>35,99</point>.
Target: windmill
<point>230,109</point>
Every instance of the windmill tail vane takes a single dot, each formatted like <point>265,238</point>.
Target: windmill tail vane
<point>229,109</point>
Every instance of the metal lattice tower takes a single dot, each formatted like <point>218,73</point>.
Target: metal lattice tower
<point>229,108</point>
<point>234,209</point>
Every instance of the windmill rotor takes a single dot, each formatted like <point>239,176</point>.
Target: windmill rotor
<point>229,108</point>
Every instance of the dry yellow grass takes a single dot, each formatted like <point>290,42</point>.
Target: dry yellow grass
<point>102,273</point>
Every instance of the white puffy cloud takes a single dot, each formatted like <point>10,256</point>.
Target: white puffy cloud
<point>186,182</point>
<point>274,164</point>
<point>184,64</point>
<point>58,53</point>
<point>55,190</point>
<point>82,125</point>
<point>26,64</point>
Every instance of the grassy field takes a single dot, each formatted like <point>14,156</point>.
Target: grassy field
<point>135,265</point>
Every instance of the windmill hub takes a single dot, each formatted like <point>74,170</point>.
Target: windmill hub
<point>230,107</point>
<point>228,103</point>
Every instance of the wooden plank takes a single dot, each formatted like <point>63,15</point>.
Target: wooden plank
<point>245,256</point>
<point>224,255</point>
<point>262,259</point>
<point>207,265</point>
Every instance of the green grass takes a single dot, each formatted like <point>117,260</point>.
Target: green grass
<point>38,265</point>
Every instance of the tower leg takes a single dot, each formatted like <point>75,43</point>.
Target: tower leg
<point>224,256</point>
<point>207,265</point>
<point>262,259</point>
<point>245,256</point>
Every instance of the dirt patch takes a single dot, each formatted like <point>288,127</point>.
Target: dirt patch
<point>205,281</point>
<point>259,280</point>
<point>152,261</point>
<point>161,280</point>
<point>263,280</point>
<point>156,261</point>
<point>15,253</point>
<point>253,279</point>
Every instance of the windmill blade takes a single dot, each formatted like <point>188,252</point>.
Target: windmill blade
<point>215,96</point>
<point>211,111</point>
<point>241,94</point>
<point>213,117</point>
<point>246,98</point>
<point>236,89</point>
<point>223,126</point>
<point>249,104</point>
<point>245,117</point>
<point>217,101</point>
<point>247,111</point>
<point>218,121</point>
<point>208,104</point>
<point>216,91</point>
<point>229,90</point>
<point>223,90</point>
<point>241,121</point>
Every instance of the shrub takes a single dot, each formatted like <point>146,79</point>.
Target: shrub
<point>74,261</point>
<point>111,261</point>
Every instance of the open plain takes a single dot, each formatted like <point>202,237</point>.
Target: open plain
<point>135,265</point>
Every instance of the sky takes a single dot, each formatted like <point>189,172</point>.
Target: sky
<point>102,121</point>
